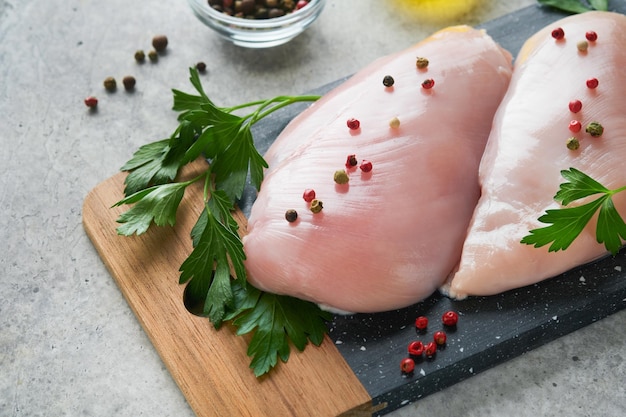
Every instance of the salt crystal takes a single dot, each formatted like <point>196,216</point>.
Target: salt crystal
<point>460,349</point>
<point>618,268</point>
<point>363,348</point>
<point>338,342</point>
<point>422,372</point>
<point>471,370</point>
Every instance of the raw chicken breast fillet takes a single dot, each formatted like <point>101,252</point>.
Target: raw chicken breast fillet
<point>520,171</point>
<point>390,237</point>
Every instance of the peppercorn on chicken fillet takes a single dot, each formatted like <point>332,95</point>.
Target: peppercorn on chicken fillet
<point>530,145</point>
<point>394,171</point>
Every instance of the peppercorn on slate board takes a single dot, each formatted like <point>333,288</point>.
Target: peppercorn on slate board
<point>356,370</point>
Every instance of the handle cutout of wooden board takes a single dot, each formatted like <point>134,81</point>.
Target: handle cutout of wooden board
<point>211,366</point>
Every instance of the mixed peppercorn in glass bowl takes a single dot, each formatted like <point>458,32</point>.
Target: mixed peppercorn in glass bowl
<point>257,23</point>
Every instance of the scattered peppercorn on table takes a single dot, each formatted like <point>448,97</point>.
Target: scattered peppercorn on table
<point>88,327</point>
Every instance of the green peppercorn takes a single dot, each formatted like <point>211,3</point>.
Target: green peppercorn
<point>421,63</point>
<point>110,84</point>
<point>572,144</point>
<point>159,42</point>
<point>595,129</point>
<point>582,46</point>
<point>153,55</point>
<point>388,81</point>
<point>341,176</point>
<point>140,56</point>
<point>291,215</point>
<point>316,206</point>
<point>129,82</point>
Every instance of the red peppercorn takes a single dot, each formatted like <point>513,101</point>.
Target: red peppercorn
<point>450,318</point>
<point>592,83</point>
<point>301,3</point>
<point>591,36</point>
<point>430,349</point>
<point>558,33</point>
<point>407,365</point>
<point>440,338</point>
<point>308,195</point>
<point>428,84</point>
<point>416,348</point>
<point>421,323</point>
<point>351,161</point>
<point>91,102</point>
<point>353,124</point>
<point>366,166</point>
<point>575,126</point>
<point>575,106</point>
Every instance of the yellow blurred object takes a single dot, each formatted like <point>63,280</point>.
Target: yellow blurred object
<point>438,11</point>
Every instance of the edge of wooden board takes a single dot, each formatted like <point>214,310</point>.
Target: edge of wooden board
<point>211,366</point>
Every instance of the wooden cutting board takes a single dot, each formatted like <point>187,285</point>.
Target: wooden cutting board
<point>355,371</point>
<point>210,366</point>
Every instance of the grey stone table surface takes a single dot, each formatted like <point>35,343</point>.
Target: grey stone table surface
<point>69,343</point>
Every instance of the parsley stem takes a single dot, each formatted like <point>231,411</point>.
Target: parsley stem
<point>243,106</point>
<point>207,184</point>
<point>282,101</point>
<point>617,190</point>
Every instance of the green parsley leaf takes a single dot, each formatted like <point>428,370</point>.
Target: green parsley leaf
<point>580,185</point>
<point>576,6</point>
<point>566,224</point>
<point>158,204</point>
<point>231,166</point>
<point>148,167</point>
<point>602,5</point>
<point>185,102</point>
<point>158,162</point>
<point>275,320</point>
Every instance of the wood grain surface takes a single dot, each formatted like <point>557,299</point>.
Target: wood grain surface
<point>210,366</point>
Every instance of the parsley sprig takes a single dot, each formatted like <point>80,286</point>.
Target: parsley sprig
<point>214,271</point>
<point>568,222</point>
<point>576,6</point>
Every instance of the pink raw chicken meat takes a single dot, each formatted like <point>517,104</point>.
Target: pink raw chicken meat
<point>520,171</point>
<point>390,237</point>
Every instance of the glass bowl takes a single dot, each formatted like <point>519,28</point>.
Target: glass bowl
<point>258,33</point>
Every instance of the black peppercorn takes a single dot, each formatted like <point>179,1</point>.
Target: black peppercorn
<point>291,215</point>
<point>201,66</point>
<point>388,81</point>
<point>129,82</point>
<point>159,42</point>
<point>247,6</point>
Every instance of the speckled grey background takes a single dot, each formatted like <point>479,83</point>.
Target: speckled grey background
<point>69,344</point>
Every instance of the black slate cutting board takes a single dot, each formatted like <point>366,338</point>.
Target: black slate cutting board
<point>491,329</point>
